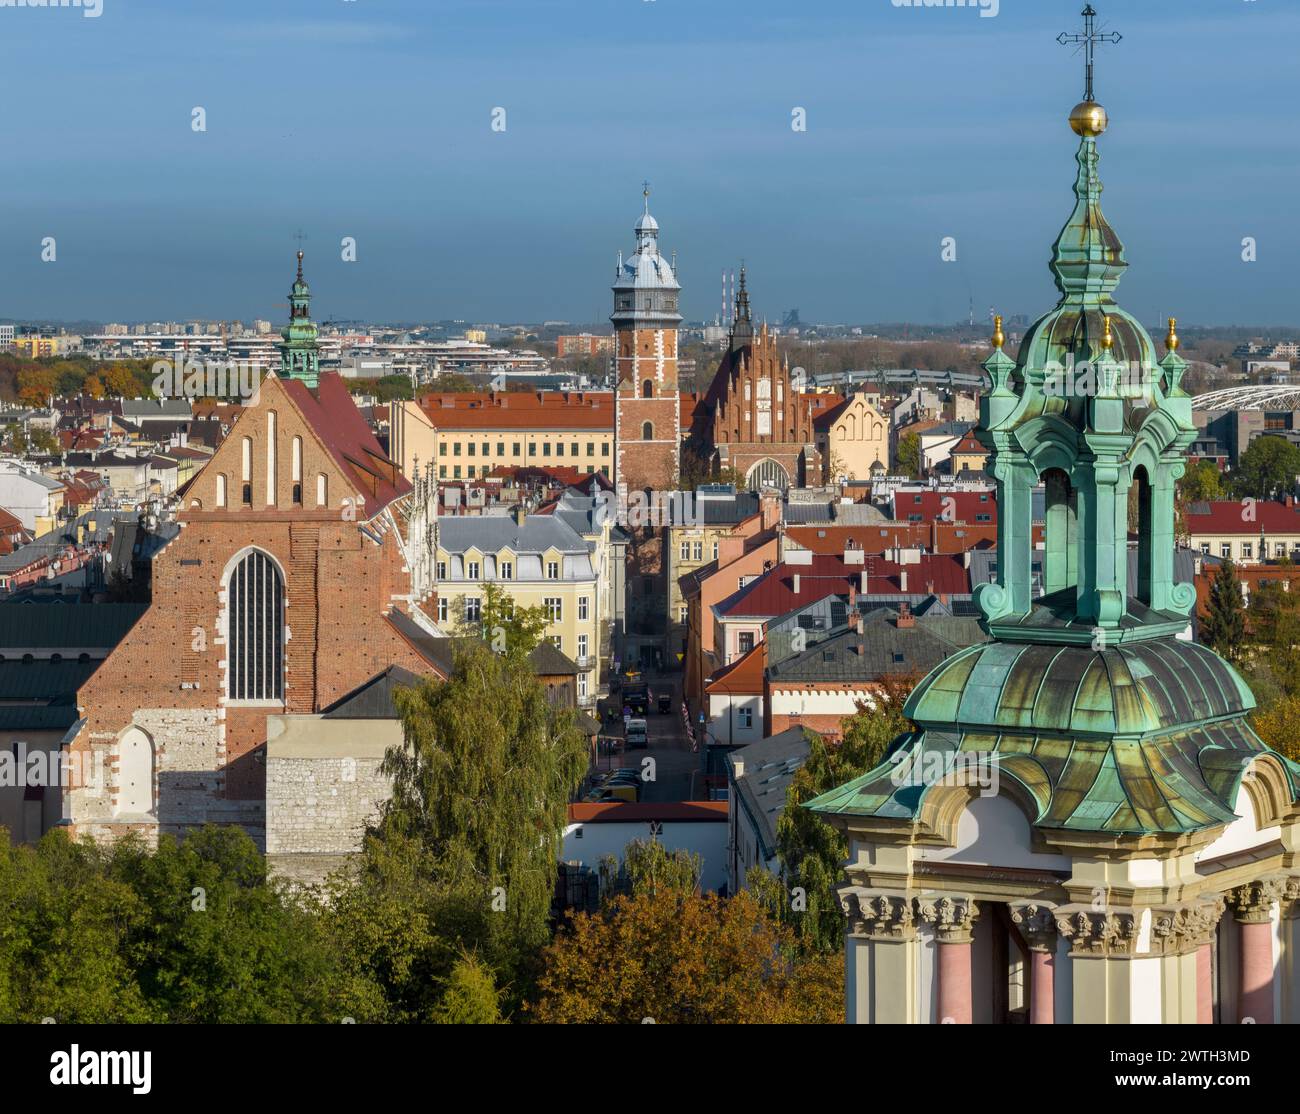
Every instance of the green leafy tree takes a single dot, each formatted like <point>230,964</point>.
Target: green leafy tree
<point>1223,623</point>
<point>811,852</point>
<point>222,943</point>
<point>1267,468</point>
<point>649,867</point>
<point>481,785</point>
<point>1203,482</point>
<point>471,996</point>
<point>909,455</point>
<point>505,627</point>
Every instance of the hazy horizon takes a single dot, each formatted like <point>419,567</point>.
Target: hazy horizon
<point>372,119</point>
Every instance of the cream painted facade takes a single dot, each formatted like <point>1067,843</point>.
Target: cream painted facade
<point>522,433</point>
<point>1149,933</point>
<point>564,580</point>
<point>856,442</point>
<point>1246,548</point>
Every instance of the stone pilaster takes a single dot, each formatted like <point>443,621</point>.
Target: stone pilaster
<point>882,957</point>
<point>1095,933</point>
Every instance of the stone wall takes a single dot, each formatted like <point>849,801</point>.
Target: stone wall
<point>323,787</point>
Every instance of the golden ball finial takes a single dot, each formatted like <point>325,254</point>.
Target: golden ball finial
<point>1171,341</point>
<point>1088,119</point>
<point>998,339</point>
<point>1107,337</point>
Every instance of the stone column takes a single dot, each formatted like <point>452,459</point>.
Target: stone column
<point>1038,926</point>
<point>953,917</point>
<point>1205,985</point>
<point>1252,908</point>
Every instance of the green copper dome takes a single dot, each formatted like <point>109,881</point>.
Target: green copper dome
<point>1087,703</point>
<point>1143,689</point>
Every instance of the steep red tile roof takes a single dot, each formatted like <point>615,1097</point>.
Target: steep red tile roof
<point>1235,516</point>
<point>338,423</point>
<point>743,677</point>
<point>773,593</point>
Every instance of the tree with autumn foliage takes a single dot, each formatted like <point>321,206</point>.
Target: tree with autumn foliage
<point>811,852</point>
<point>674,956</point>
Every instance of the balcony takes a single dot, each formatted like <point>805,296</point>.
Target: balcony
<point>585,662</point>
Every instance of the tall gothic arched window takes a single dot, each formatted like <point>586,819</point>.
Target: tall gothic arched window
<point>255,641</point>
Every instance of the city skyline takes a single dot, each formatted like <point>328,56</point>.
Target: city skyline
<point>152,219</point>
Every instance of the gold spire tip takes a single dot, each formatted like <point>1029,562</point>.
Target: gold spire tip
<point>1172,341</point>
<point>999,338</point>
<point>1107,337</point>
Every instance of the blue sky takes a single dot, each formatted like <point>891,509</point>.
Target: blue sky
<point>371,119</point>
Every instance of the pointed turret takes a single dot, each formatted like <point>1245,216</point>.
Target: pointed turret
<point>299,352</point>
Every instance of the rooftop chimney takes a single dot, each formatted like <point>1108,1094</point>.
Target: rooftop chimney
<point>519,513</point>
<point>905,617</point>
<point>902,579</point>
<point>796,584</point>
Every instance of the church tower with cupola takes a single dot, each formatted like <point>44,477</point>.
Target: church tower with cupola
<point>299,351</point>
<point>1080,824</point>
<point>647,408</point>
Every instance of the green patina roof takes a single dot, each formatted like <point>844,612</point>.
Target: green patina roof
<point>1147,733</point>
<point>299,352</point>
<point>1181,781</point>
<point>1142,689</point>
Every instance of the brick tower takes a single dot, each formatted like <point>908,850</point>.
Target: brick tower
<point>647,421</point>
<point>647,426</point>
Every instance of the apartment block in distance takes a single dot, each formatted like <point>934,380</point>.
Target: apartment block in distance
<point>468,434</point>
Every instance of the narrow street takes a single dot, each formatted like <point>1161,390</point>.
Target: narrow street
<point>676,766</point>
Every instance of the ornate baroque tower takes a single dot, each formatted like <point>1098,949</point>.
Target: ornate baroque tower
<point>299,358</point>
<point>647,409</point>
<point>1081,824</point>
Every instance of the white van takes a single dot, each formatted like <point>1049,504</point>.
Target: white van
<point>637,734</point>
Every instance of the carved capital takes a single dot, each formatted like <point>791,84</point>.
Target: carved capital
<point>1252,902</point>
<point>953,916</point>
<point>1290,898</point>
<point>1178,929</point>
<point>1097,932</point>
<point>1037,924</point>
<point>877,914</point>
